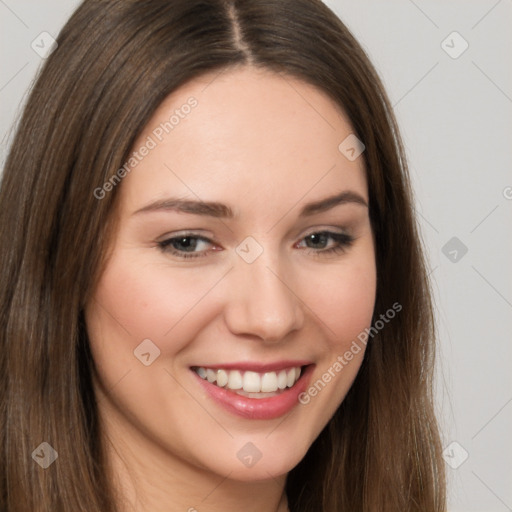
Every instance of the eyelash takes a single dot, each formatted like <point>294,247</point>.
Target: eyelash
<point>342,240</point>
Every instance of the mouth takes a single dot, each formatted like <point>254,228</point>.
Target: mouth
<point>251,384</point>
<point>264,394</point>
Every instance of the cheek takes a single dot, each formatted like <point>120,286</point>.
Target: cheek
<point>353,310</point>
<point>135,301</point>
<point>344,299</point>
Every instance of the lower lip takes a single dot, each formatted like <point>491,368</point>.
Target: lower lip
<point>258,408</point>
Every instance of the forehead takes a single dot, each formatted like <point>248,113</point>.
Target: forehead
<point>244,134</point>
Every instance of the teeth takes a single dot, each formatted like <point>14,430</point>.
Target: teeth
<point>222,378</point>
<point>235,380</point>
<point>290,377</point>
<point>269,382</point>
<point>282,379</point>
<point>251,382</point>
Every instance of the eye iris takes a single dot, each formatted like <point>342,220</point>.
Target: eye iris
<point>186,243</point>
<point>318,239</point>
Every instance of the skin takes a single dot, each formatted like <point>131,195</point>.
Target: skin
<point>265,145</point>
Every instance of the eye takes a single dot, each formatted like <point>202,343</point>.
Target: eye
<point>190,245</point>
<point>186,245</point>
<point>326,242</point>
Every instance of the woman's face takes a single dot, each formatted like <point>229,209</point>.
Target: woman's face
<point>243,255</point>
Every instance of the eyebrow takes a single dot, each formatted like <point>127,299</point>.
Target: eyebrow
<point>220,210</point>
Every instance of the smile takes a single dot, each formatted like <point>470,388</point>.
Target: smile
<point>266,394</point>
<point>249,383</point>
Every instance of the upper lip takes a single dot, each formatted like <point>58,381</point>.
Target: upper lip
<point>256,366</point>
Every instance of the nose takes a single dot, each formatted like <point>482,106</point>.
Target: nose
<point>262,301</point>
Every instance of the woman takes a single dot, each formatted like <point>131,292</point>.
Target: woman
<point>213,292</point>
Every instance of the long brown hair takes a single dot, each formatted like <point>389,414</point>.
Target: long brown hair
<point>115,63</point>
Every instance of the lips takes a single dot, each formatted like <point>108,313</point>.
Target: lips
<point>255,391</point>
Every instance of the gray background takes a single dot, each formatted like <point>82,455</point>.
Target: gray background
<point>455,116</point>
